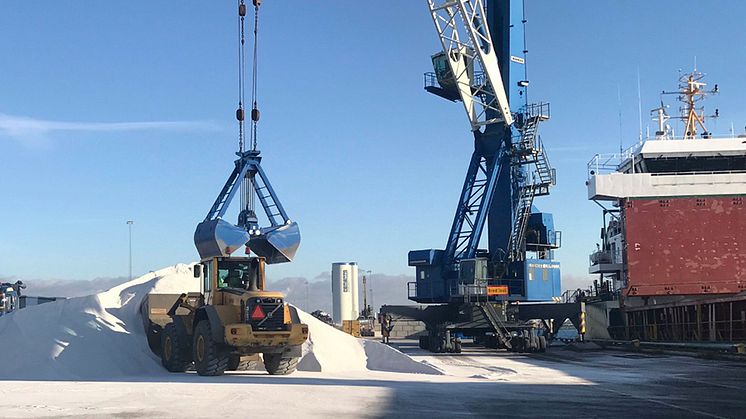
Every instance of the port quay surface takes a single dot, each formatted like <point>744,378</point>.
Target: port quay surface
<point>478,383</point>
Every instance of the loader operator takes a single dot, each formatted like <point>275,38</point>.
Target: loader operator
<point>234,279</point>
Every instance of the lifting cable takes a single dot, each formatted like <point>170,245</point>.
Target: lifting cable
<point>255,108</point>
<point>247,196</point>
<point>242,70</point>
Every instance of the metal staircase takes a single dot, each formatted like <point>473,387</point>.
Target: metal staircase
<point>545,174</point>
<point>528,133</point>
<point>528,151</point>
<point>493,318</point>
<point>522,214</point>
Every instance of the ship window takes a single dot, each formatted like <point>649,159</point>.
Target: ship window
<point>738,201</point>
<point>695,164</point>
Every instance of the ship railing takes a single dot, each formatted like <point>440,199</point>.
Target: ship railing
<point>600,257</point>
<point>714,172</point>
<point>607,163</point>
<point>723,333</point>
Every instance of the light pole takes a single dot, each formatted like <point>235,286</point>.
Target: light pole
<point>129,225</point>
<point>367,308</point>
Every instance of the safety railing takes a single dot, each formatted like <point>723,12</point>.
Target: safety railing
<point>540,109</point>
<point>431,80</point>
<point>473,292</point>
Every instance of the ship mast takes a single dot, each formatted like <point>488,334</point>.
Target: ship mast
<point>691,92</point>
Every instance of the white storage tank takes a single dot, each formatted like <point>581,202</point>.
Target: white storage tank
<point>342,292</point>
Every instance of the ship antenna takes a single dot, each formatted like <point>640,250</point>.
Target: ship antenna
<point>691,91</point>
<point>639,102</point>
<point>619,104</point>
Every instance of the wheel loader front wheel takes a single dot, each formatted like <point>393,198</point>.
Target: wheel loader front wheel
<point>175,350</point>
<point>210,358</point>
<point>275,364</point>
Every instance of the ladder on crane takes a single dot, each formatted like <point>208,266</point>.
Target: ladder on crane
<point>523,212</point>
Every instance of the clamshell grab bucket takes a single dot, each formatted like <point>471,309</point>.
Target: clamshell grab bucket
<point>218,238</point>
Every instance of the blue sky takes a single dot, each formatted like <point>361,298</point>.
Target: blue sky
<point>367,162</point>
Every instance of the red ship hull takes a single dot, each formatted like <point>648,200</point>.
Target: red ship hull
<point>686,246</point>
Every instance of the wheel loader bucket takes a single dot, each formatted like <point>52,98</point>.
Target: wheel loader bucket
<point>215,238</point>
<point>277,244</point>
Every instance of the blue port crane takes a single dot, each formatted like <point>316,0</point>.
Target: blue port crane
<point>470,290</point>
<point>482,65</point>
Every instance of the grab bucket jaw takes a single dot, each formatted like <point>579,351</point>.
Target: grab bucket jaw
<point>218,238</point>
<point>277,244</point>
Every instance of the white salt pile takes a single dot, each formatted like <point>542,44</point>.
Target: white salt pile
<point>102,336</point>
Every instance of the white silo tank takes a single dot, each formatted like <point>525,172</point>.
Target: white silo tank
<point>341,292</point>
<point>355,296</point>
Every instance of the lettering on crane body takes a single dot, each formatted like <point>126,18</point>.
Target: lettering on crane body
<point>544,265</point>
<point>518,60</point>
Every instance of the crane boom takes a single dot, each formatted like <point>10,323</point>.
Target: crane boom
<point>465,37</point>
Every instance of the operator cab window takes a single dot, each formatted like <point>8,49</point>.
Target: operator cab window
<point>207,276</point>
<point>236,274</point>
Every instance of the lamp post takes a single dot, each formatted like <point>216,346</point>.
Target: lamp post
<point>366,276</point>
<point>129,226</point>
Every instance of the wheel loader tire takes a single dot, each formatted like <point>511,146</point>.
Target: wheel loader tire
<point>235,364</point>
<point>275,364</point>
<point>175,349</point>
<point>210,358</point>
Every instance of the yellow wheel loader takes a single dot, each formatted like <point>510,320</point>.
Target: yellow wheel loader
<point>228,324</point>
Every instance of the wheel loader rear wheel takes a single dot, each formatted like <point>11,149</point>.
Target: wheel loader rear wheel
<point>175,350</point>
<point>236,364</point>
<point>210,358</point>
<point>275,364</point>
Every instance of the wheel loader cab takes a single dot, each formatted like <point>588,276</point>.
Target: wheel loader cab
<point>237,273</point>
